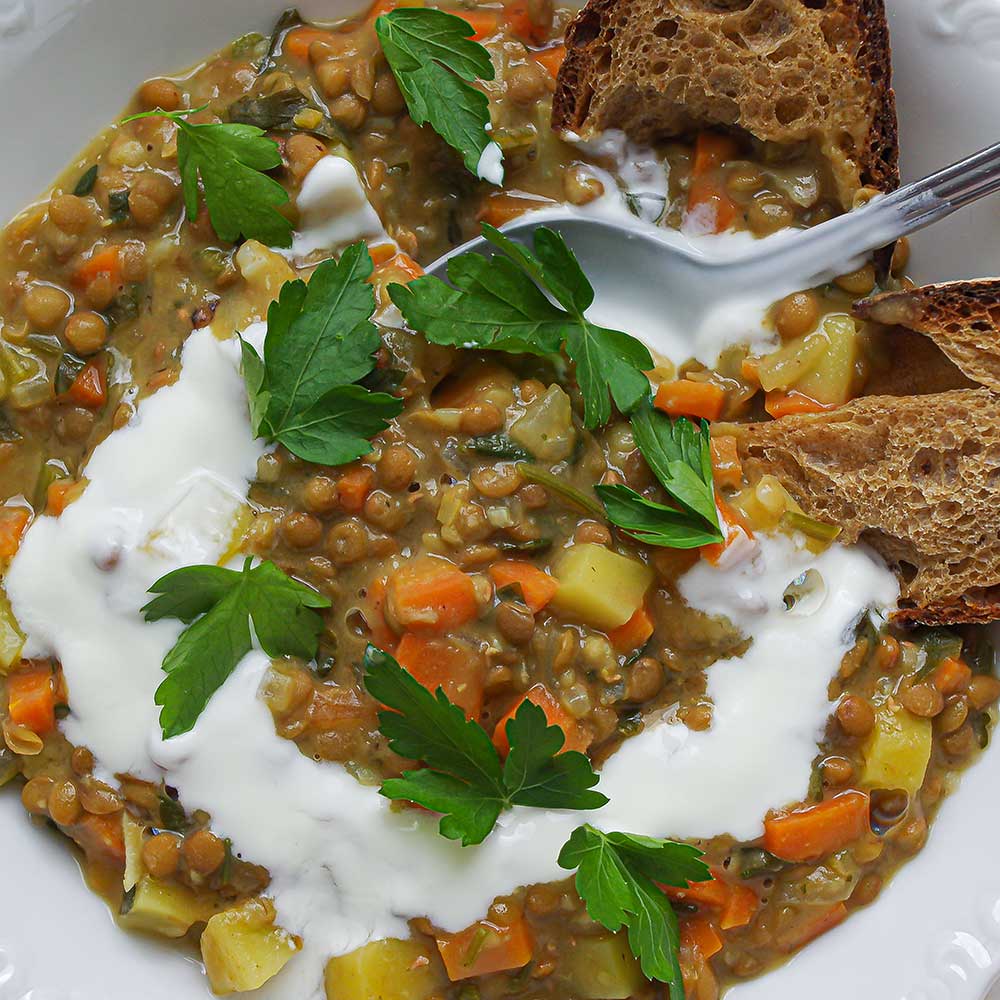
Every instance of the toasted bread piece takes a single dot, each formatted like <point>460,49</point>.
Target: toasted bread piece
<point>961,317</point>
<point>917,478</point>
<point>914,366</point>
<point>783,70</point>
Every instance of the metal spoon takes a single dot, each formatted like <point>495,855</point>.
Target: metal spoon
<point>645,277</point>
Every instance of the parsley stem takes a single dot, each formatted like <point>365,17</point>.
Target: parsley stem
<point>536,474</point>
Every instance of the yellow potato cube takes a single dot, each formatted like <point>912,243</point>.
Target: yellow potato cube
<point>599,587</point>
<point>386,970</point>
<point>898,750</point>
<point>242,949</point>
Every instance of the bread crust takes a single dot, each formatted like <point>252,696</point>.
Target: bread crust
<point>916,478</point>
<point>782,70</point>
<point>961,317</point>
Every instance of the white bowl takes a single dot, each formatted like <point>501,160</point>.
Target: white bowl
<point>66,68</point>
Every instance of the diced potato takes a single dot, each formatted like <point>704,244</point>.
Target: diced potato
<point>604,968</point>
<point>165,908</point>
<point>783,368</point>
<point>546,427</point>
<point>600,587</point>
<point>832,379</point>
<point>242,949</point>
<point>898,750</point>
<point>386,970</point>
<point>764,504</point>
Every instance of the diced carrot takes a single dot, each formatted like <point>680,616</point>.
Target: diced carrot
<point>551,58</point>
<point>429,595</point>
<point>101,837</point>
<point>951,676</point>
<point>711,150</point>
<point>810,928</point>
<point>379,632</point>
<point>736,904</point>
<point>486,947</point>
<point>381,7</point>
<point>501,207</point>
<point>784,404</point>
<point>713,892</point>
<point>484,22</point>
<point>382,253</point>
<point>13,521</point>
<point>106,261</point>
<point>298,40</point>
<point>699,934</point>
<point>577,738</point>
<point>740,908</point>
<point>635,633</point>
<point>353,487</point>
<point>685,398</point>
<point>522,25</point>
<point>31,700</point>
<point>537,588</point>
<point>810,833</point>
<point>440,663</point>
<point>736,530</point>
<point>707,196</point>
<point>88,388</point>
<point>62,493</point>
<point>726,466</point>
<point>407,267</point>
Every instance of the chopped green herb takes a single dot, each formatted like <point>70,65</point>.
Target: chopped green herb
<point>246,45</point>
<point>227,861</point>
<point>125,306</point>
<point>8,432</point>
<point>218,606</point>
<point>278,112</point>
<point>231,160</point>
<point>499,446</point>
<point>320,342</point>
<point>289,18</point>
<point>86,182</point>
<point>68,369</point>
<point>500,303</point>
<point>618,877</point>
<point>463,776</point>
<point>576,498</point>
<point>118,207</point>
<point>172,815</point>
<point>937,644</point>
<point>434,62</point>
<point>681,459</point>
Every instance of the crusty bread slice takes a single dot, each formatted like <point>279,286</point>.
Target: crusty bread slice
<point>961,317</point>
<point>782,70</point>
<point>917,478</point>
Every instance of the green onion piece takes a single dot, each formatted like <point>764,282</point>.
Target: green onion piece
<point>475,946</point>
<point>536,474</point>
<point>819,531</point>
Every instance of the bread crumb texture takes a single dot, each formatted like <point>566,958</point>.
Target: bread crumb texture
<point>783,70</point>
<point>917,478</point>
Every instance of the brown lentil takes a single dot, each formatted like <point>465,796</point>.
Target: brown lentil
<point>923,700</point>
<point>203,851</point>
<point>161,855</point>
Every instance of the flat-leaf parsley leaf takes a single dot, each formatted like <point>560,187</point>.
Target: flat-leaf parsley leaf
<point>218,605</point>
<point>463,777</point>
<point>434,60</point>
<point>231,159</point>
<point>617,876</point>
<point>320,343</point>
<point>679,454</point>
<point>501,303</point>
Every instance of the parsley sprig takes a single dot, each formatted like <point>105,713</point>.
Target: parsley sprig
<point>218,606</point>
<point>679,454</point>
<point>320,343</point>
<point>434,61</point>
<point>231,160</point>
<point>617,876</point>
<point>502,303</point>
<point>463,777</point>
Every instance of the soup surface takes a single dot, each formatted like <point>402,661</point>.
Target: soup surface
<point>469,542</point>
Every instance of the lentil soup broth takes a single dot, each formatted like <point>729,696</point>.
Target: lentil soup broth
<point>489,470</point>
